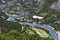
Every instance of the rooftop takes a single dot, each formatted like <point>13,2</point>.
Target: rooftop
<point>39,17</point>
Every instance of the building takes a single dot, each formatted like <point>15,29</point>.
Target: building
<point>2,6</point>
<point>23,13</point>
<point>37,17</point>
<point>57,22</point>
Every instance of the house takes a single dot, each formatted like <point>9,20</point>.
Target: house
<point>3,17</point>
<point>2,6</point>
<point>23,13</point>
<point>26,3</point>
<point>57,22</point>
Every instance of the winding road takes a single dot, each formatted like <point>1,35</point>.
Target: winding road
<point>51,30</point>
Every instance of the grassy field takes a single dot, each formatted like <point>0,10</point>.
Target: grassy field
<point>40,32</point>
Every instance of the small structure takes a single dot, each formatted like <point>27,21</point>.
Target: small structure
<point>2,6</point>
<point>3,1</point>
<point>23,13</point>
<point>37,17</point>
<point>57,22</point>
<point>3,17</point>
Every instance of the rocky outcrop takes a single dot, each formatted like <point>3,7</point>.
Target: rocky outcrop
<point>56,5</point>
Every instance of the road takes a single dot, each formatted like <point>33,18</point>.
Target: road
<point>51,30</point>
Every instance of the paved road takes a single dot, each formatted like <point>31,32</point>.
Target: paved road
<point>46,27</point>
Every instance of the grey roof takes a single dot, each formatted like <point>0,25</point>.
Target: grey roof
<point>57,22</point>
<point>23,12</point>
<point>2,6</point>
